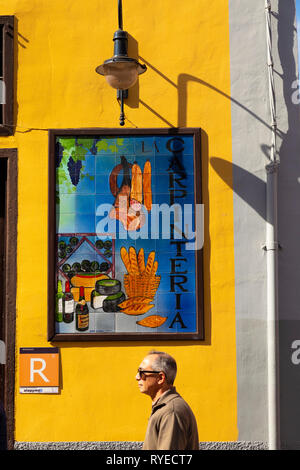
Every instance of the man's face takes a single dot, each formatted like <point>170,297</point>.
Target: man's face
<point>148,383</point>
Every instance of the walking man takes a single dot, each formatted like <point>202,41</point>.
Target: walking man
<point>172,424</point>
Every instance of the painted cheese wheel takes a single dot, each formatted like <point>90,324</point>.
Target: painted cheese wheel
<point>108,286</point>
<point>87,279</point>
<point>111,303</point>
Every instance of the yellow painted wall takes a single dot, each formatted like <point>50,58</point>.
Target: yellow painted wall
<point>186,48</point>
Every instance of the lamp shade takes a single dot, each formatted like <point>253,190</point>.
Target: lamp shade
<point>121,72</point>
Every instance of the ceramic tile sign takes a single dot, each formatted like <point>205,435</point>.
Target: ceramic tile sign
<point>39,370</point>
<point>127,262</point>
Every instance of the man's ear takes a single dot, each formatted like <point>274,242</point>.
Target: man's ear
<point>162,378</point>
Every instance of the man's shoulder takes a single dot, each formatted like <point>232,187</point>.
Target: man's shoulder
<point>174,402</point>
<point>171,401</point>
<point>178,403</point>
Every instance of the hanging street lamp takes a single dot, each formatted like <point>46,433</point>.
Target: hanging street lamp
<point>120,71</point>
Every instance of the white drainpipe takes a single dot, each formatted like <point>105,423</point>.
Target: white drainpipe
<point>271,248</point>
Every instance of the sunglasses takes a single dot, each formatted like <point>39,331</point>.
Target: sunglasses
<point>141,373</point>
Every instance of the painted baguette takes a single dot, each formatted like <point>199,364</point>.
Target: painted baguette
<point>137,309</point>
<point>150,262</point>
<point>133,261</point>
<point>147,186</point>
<point>125,258</point>
<point>153,321</point>
<point>136,183</point>
<point>154,269</point>
<point>141,260</point>
<point>135,301</point>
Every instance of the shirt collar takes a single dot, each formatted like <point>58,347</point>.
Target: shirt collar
<point>164,397</point>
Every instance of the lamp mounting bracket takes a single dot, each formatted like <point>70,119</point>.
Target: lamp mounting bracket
<point>120,14</point>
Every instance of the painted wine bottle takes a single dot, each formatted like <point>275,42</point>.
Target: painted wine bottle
<point>82,312</point>
<point>59,303</point>
<point>68,315</point>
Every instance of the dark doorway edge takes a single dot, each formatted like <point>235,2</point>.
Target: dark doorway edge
<point>10,287</point>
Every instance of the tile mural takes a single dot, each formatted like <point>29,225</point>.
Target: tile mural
<point>122,263</point>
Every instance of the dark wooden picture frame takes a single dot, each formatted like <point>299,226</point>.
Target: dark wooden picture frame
<point>55,336</point>
<point>9,223</point>
<point>7,53</point>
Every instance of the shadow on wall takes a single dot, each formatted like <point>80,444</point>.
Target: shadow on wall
<point>289,233</point>
<point>252,191</point>
<point>133,51</point>
<point>250,188</point>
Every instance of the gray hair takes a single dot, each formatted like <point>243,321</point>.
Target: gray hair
<point>165,363</point>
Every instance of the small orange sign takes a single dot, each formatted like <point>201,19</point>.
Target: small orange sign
<point>39,370</point>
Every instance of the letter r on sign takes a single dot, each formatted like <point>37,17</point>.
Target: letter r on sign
<point>39,367</point>
<point>38,370</point>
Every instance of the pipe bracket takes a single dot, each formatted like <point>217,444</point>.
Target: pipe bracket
<point>271,246</point>
<point>273,166</point>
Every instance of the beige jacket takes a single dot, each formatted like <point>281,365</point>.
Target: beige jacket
<point>172,424</point>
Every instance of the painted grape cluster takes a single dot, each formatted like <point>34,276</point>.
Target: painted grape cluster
<point>74,168</point>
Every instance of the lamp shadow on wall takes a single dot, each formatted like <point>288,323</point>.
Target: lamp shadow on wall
<point>247,186</point>
<point>244,180</point>
<point>133,94</point>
